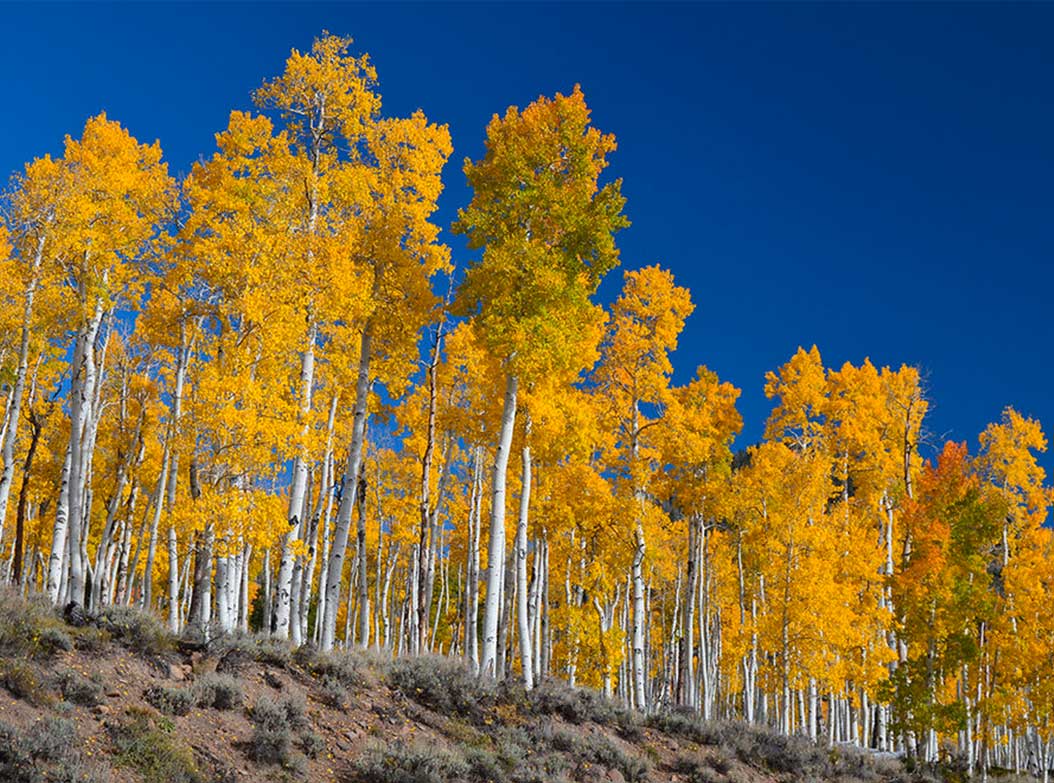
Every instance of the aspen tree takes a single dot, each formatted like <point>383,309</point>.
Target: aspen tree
<point>634,377</point>
<point>546,229</point>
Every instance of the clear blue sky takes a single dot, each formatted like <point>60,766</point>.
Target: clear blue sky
<point>875,179</point>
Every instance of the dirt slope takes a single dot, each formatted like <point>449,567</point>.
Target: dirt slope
<point>117,699</point>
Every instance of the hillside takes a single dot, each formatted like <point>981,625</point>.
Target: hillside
<point>115,698</point>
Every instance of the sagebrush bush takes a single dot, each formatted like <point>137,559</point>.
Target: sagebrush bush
<point>695,769</point>
<point>45,751</point>
<point>312,744</point>
<point>29,627</point>
<point>219,691</point>
<point>273,724</point>
<point>348,667</point>
<point>171,701</point>
<point>575,705</point>
<point>152,749</point>
<point>22,681</point>
<point>270,745</point>
<point>417,762</point>
<point>445,685</point>
<point>235,650</point>
<point>137,629</point>
<point>76,689</point>
<point>484,766</point>
<point>332,693</point>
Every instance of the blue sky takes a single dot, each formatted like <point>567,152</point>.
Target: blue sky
<point>875,179</point>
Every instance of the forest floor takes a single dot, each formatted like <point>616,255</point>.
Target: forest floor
<point>115,698</point>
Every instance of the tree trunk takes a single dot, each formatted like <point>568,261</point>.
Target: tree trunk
<point>296,493</point>
<point>496,548</point>
<point>342,527</point>
<point>526,659</point>
<point>14,405</point>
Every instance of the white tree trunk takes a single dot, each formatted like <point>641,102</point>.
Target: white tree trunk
<point>342,526</point>
<point>82,392</point>
<point>296,495</point>
<point>472,566</point>
<point>522,616</point>
<point>59,535</point>
<point>14,403</point>
<point>496,549</point>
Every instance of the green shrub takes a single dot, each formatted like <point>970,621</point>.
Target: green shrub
<point>484,766</point>
<point>219,691</point>
<point>694,769</point>
<point>137,629</point>
<point>80,690</point>
<point>312,744</point>
<point>270,745</point>
<point>349,667</point>
<point>575,705</point>
<point>29,627</point>
<point>273,723</point>
<point>333,694</point>
<point>444,684</point>
<point>237,649</point>
<point>22,681</point>
<point>152,749</point>
<point>47,750</point>
<point>171,701</point>
<point>418,762</point>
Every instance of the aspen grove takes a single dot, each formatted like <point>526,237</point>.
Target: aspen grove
<point>264,399</point>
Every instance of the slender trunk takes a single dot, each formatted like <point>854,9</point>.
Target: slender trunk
<point>496,548</point>
<point>35,426</point>
<point>155,521</point>
<point>423,600</point>
<point>362,562</point>
<point>296,493</point>
<point>14,404</point>
<point>59,535</point>
<point>526,660</point>
<point>82,392</point>
<point>342,527</point>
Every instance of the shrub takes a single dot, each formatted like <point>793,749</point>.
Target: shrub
<point>21,681</point>
<point>443,684</point>
<point>46,751</point>
<point>151,748</point>
<point>136,629</point>
<point>575,705</point>
<point>271,741</point>
<point>408,763</point>
<point>483,766</point>
<point>171,701</point>
<point>349,667</point>
<point>333,694</point>
<point>694,769</point>
<point>79,690</point>
<point>29,627</point>
<point>312,744</point>
<point>270,745</point>
<point>219,691</point>
<point>51,739</point>
<point>236,650</point>
<point>91,639</point>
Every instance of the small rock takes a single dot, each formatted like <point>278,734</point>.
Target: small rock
<point>176,672</point>
<point>100,709</point>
